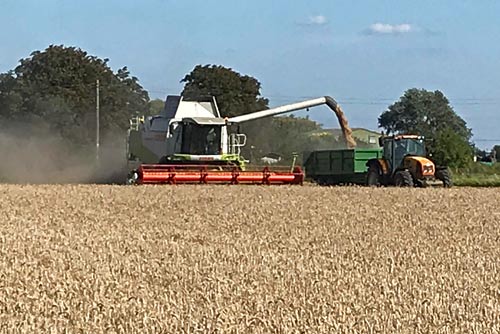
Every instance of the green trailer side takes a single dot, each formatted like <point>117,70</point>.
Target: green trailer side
<point>346,166</point>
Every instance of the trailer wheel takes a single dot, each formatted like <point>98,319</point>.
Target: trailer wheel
<point>444,176</point>
<point>322,180</point>
<point>373,177</point>
<point>403,178</point>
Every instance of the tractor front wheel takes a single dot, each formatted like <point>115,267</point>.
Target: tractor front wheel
<point>444,176</point>
<point>403,178</point>
<point>373,177</point>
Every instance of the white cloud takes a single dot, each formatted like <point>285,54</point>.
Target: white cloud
<point>317,20</point>
<point>384,28</point>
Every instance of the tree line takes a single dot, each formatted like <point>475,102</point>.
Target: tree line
<point>57,88</point>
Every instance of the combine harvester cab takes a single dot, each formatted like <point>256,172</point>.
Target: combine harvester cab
<point>189,142</point>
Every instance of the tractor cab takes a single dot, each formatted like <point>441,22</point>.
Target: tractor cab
<point>396,148</point>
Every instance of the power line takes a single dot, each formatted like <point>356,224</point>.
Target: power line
<point>290,98</point>
<point>373,101</point>
<point>486,140</point>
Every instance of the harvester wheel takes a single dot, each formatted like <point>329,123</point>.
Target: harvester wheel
<point>403,178</point>
<point>132,177</point>
<point>445,177</point>
<point>373,177</point>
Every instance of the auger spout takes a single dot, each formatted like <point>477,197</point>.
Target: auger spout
<point>329,101</point>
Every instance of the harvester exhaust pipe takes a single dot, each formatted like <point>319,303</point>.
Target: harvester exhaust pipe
<point>330,102</point>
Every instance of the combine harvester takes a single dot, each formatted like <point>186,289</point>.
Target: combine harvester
<point>189,142</point>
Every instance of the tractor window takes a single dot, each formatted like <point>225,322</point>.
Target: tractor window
<point>201,139</point>
<point>400,151</point>
<point>406,147</point>
<point>388,150</point>
<point>416,147</point>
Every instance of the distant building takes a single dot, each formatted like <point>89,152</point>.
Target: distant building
<point>367,136</point>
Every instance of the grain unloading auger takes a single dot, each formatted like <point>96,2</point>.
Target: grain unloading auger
<point>189,142</point>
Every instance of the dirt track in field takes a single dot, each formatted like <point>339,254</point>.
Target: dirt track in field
<point>249,259</point>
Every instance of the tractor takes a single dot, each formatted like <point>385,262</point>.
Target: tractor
<point>404,164</point>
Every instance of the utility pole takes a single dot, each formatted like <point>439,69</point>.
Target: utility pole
<point>97,139</point>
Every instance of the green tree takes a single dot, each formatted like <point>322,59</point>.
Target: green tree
<point>58,86</point>
<point>429,114</point>
<point>10,100</point>
<point>236,94</point>
<point>155,106</point>
<point>450,149</point>
<point>291,135</point>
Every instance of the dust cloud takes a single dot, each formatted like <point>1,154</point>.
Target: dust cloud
<point>32,153</point>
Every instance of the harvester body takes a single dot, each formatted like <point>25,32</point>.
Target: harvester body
<point>184,131</point>
<point>189,142</point>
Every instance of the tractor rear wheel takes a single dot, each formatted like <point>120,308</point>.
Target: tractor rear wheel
<point>444,176</point>
<point>403,178</point>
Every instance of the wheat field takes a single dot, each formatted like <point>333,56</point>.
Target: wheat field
<point>248,259</point>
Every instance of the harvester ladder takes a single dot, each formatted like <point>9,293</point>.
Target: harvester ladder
<point>236,142</point>
<point>134,123</point>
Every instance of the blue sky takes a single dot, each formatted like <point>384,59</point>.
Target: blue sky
<point>365,54</point>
